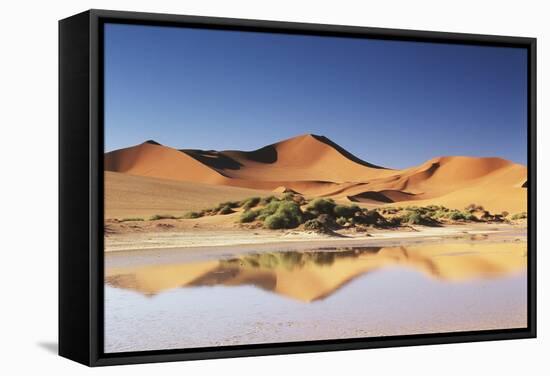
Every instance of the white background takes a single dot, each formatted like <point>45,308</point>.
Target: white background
<point>28,157</point>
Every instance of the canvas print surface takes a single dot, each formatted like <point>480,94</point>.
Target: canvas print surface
<point>265,188</point>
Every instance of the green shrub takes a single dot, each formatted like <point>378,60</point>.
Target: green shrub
<point>226,210</point>
<point>522,215</point>
<point>394,221</point>
<point>266,200</point>
<point>371,217</point>
<point>250,203</point>
<point>157,217</point>
<point>346,211</point>
<point>440,214</point>
<point>433,208</point>
<point>419,216</point>
<point>505,214</point>
<point>415,218</point>
<point>315,225</point>
<point>271,208</point>
<point>230,204</point>
<point>249,216</point>
<point>192,214</point>
<point>131,220</point>
<point>473,208</point>
<point>287,215</point>
<point>262,215</point>
<point>321,206</point>
<point>456,215</point>
<point>275,221</point>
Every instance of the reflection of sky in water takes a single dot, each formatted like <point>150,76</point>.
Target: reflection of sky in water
<point>395,297</point>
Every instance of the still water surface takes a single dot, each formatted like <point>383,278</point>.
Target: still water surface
<point>166,302</point>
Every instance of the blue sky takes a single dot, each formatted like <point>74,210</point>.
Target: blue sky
<point>391,103</point>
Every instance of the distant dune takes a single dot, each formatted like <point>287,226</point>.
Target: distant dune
<point>315,166</point>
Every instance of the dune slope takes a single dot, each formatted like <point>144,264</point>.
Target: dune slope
<point>315,166</point>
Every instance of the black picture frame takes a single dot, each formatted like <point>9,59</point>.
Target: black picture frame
<point>81,187</point>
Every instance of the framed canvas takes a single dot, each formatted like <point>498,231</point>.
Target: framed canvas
<point>236,187</point>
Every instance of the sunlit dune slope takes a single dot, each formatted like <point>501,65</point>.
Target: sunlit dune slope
<point>315,166</point>
<point>307,157</point>
<point>129,196</point>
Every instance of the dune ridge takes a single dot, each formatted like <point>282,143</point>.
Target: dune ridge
<point>316,166</point>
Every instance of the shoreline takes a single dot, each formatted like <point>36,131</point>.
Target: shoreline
<point>242,240</point>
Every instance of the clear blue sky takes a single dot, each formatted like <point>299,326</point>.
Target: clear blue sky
<point>391,103</point>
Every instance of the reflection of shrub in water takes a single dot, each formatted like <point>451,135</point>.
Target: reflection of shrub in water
<point>324,258</point>
<point>289,260</point>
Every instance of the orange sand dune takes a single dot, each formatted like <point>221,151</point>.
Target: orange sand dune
<point>307,157</point>
<point>315,166</point>
<point>450,181</point>
<point>152,159</point>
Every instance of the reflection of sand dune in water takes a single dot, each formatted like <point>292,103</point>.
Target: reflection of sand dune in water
<point>316,166</point>
<point>310,276</point>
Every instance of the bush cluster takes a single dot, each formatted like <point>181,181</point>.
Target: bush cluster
<point>321,206</point>
<point>192,214</point>
<point>287,215</point>
<point>226,209</point>
<point>522,215</point>
<point>249,216</point>
<point>250,202</point>
<point>131,220</point>
<point>157,217</point>
<point>324,214</point>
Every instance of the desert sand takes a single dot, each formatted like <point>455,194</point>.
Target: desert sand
<point>220,231</point>
<point>313,166</point>
<point>141,196</point>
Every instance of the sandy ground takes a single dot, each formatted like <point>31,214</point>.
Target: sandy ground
<point>128,196</point>
<point>170,236</point>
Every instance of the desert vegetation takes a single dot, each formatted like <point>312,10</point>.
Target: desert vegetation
<point>324,215</point>
<point>158,217</point>
<point>518,216</point>
<point>131,219</point>
<point>293,210</point>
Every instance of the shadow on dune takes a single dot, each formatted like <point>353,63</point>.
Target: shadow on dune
<point>344,152</point>
<point>267,154</point>
<point>213,159</point>
<point>370,196</point>
<point>386,196</point>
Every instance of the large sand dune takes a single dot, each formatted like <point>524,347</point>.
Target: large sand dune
<point>315,166</point>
